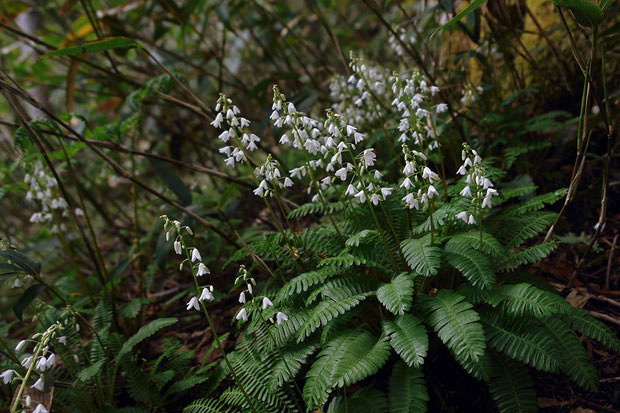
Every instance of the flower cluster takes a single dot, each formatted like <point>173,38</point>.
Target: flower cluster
<point>193,258</point>
<point>270,172</point>
<point>41,359</point>
<point>365,182</point>
<point>479,188</point>
<point>404,37</point>
<point>232,126</point>
<point>470,94</point>
<point>412,100</point>
<point>417,172</point>
<point>350,94</point>
<point>247,296</point>
<point>42,191</point>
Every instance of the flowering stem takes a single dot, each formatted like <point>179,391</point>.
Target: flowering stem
<point>431,206</point>
<point>20,392</point>
<point>216,337</point>
<point>441,162</point>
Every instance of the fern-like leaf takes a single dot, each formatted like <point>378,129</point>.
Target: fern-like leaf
<point>349,357</point>
<point>490,245</point>
<point>407,390</point>
<point>521,340</point>
<point>397,295</point>
<point>457,325</point>
<point>593,328</point>
<point>511,386</point>
<point>422,258</point>
<point>326,311</point>
<point>408,338</point>
<point>205,406</point>
<point>528,255</point>
<point>525,299</point>
<point>474,266</point>
<point>144,333</point>
<point>574,360</point>
<point>289,364</point>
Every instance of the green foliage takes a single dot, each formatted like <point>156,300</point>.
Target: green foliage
<point>408,338</point>
<point>407,390</point>
<point>397,296</point>
<point>512,387</point>
<point>421,256</point>
<point>457,325</point>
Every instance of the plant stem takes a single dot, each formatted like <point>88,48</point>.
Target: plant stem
<point>20,392</point>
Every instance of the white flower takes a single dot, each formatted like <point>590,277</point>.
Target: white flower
<point>350,190</point>
<point>467,162</point>
<point>442,107</point>
<point>242,299</point>
<point>40,409</point>
<point>432,192</point>
<point>486,202</point>
<point>487,184</point>
<point>62,340</point>
<point>27,362</point>
<point>206,295</point>
<point>378,175</point>
<point>466,191</point>
<point>288,182</point>
<point>406,183</point>
<point>291,108</point>
<point>374,199</point>
<point>262,187</point>
<point>428,174</point>
<point>369,157</point>
<point>266,303</point>
<point>462,170</point>
<point>17,283</point>
<point>41,364</point>
<point>358,137</point>
<point>202,270</point>
<point>462,215</point>
<point>491,192</point>
<point>471,221</point>
<point>242,315</point>
<point>409,169</point>
<point>385,192</point>
<point>224,136</point>
<point>350,130</point>
<point>362,196</point>
<point>178,247</point>
<point>193,303</point>
<point>196,255</point>
<point>51,361</point>
<point>217,122</point>
<point>281,317</point>
<point>6,376</point>
<point>38,384</point>
<point>20,346</point>
<point>341,173</point>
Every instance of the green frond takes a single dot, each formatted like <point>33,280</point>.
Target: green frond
<point>421,257</point>
<point>326,311</point>
<point>517,192</point>
<point>473,294</point>
<point>521,340</point>
<point>490,245</point>
<point>513,152</point>
<point>365,356</point>
<point>290,362</point>
<point>284,332</point>
<point>534,203</point>
<point>304,281</point>
<point>360,237</point>
<point>407,390</point>
<point>528,255</point>
<point>474,266</point>
<point>397,296</point>
<point>515,230</point>
<point>340,288</point>
<point>511,386</point>
<point>363,401</point>
<point>205,406</point>
<point>408,338</point>
<point>348,358</point>
<point>593,328</point>
<point>345,260</point>
<point>315,208</point>
<point>526,300</point>
<point>457,325</point>
<point>144,333</point>
<point>441,217</point>
<point>574,360</point>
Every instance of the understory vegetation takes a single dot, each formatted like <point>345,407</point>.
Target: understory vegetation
<point>306,206</point>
